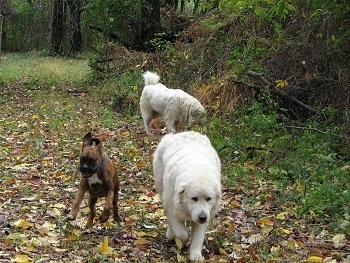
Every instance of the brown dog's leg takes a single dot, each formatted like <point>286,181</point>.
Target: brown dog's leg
<point>108,206</point>
<point>116,216</point>
<point>77,201</point>
<point>92,202</point>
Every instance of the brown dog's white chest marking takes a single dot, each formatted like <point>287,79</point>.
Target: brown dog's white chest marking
<point>94,180</point>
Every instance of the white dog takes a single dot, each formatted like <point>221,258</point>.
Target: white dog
<point>176,106</point>
<point>187,174</point>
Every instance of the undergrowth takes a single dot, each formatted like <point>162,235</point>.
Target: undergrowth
<point>307,162</point>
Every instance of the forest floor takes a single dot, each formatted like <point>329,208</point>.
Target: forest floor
<point>41,134</point>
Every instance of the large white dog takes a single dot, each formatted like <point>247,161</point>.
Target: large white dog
<point>178,108</point>
<point>187,174</point>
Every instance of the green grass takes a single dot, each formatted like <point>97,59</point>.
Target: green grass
<point>308,165</point>
<point>33,70</point>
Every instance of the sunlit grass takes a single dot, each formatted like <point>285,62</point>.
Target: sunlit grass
<point>34,69</point>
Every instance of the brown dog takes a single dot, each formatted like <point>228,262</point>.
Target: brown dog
<point>99,178</point>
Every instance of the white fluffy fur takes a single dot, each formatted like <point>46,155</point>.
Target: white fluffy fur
<point>187,174</point>
<point>178,108</point>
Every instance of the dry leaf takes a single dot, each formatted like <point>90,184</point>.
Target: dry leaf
<point>20,223</point>
<point>178,243</point>
<point>315,259</point>
<point>104,249</point>
<point>22,259</point>
<point>337,239</point>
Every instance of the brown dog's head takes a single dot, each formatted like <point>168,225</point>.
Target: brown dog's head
<point>91,159</point>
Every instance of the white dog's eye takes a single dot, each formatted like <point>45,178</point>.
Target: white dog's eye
<point>195,199</point>
<point>208,199</point>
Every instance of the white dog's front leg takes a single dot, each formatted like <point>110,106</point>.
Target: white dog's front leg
<point>198,234</point>
<point>177,228</point>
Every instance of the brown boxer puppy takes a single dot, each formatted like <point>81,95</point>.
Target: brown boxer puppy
<point>99,178</point>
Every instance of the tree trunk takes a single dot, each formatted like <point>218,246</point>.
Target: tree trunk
<point>1,21</point>
<point>57,26</point>
<point>151,21</point>
<point>75,39</point>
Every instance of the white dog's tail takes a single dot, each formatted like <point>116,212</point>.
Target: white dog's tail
<point>151,78</point>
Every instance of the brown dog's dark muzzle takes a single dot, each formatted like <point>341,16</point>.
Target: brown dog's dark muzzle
<point>86,171</point>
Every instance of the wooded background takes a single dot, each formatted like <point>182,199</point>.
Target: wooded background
<point>303,45</point>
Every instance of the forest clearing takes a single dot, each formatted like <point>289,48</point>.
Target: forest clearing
<point>271,77</point>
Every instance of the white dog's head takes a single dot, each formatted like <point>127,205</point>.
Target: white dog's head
<point>197,113</point>
<point>200,199</point>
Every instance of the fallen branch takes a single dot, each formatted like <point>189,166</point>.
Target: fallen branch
<point>269,84</point>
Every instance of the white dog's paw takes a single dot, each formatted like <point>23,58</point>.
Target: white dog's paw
<point>169,234</point>
<point>196,256</point>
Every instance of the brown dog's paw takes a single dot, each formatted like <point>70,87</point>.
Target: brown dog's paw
<point>117,218</point>
<point>104,216</point>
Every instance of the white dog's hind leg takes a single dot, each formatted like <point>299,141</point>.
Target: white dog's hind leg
<point>147,117</point>
<point>176,228</point>
<point>198,234</point>
<point>170,126</point>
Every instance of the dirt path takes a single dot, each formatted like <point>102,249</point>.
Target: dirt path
<point>40,134</point>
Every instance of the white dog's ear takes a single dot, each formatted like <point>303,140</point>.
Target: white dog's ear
<point>180,194</point>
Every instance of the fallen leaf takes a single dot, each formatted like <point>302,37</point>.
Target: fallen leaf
<point>20,223</point>
<point>141,242</point>
<point>253,239</point>
<point>22,259</point>
<point>281,83</point>
<point>315,259</point>
<point>104,249</point>
<point>180,258</point>
<point>282,216</point>
<point>337,239</point>
<point>178,243</point>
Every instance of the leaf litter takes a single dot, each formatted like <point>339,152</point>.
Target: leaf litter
<point>40,134</point>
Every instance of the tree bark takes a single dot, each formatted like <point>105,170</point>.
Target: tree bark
<point>57,26</point>
<point>75,38</point>
<point>151,21</point>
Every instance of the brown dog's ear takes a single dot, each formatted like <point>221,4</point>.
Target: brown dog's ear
<point>87,138</point>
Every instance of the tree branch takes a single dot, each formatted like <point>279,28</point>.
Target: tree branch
<point>273,89</point>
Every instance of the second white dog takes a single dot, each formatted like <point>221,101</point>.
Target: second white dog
<point>176,106</point>
<point>187,174</point>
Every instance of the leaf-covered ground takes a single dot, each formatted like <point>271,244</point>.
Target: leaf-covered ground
<point>40,140</point>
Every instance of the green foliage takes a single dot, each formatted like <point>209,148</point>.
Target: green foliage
<point>122,92</point>
<point>21,32</point>
<point>335,12</point>
<point>302,159</point>
<point>118,17</point>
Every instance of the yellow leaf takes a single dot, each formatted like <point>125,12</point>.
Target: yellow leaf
<point>337,239</point>
<point>265,221</point>
<point>20,223</point>
<point>141,242</point>
<point>22,259</point>
<point>180,258</point>
<point>281,83</point>
<point>35,117</point>
<point>74,236</point>
<point>222,251</point>
<point>315,259</point>
<point>299,186</point>
<point>104,249</point>
<point>282,216</point>
<point>178,243</point>
<point>285,231</point>
<point>147,234</point>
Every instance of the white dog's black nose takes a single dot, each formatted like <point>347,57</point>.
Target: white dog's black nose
<point>202,218</point>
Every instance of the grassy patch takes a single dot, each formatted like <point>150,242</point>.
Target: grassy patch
<point>308,164</point>
<point>35,71</point>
